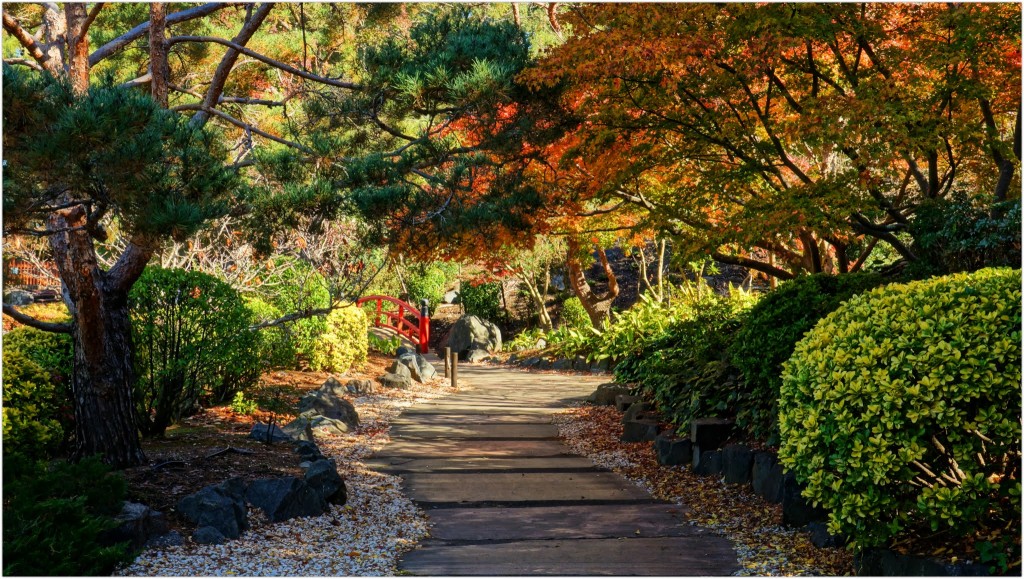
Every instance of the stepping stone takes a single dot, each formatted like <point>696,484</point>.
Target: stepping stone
<point>662,556</point>
<point>559,522</point>
<point>425,448</point>
<point>508,487</point>
<point>478,431</point>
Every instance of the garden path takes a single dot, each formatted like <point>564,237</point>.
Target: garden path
<point>505,496</point>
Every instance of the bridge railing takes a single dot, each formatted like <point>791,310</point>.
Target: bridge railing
<point>418,331</point>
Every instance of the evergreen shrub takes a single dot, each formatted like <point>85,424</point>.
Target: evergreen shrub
<point>901,410</point>
<point>574,315</point>
<point>276,345</point>
<point>56,517</point>
<point>32,407</point>
<point>482,300</point>
<point>296,287</point>
<point>344,343</point>
<point>193,345</point>
<point>771,329</point>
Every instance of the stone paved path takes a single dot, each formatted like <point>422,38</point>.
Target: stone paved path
<point>505,497</point>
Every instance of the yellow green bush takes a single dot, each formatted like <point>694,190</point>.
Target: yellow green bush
<point>31,407</point>
<point>901,410</point>
<point>344,343</point>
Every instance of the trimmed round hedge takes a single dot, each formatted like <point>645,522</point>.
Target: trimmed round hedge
<point>771,330</point>
<point>345,342</point>
<point>574,315</point>
<point>901,409</point>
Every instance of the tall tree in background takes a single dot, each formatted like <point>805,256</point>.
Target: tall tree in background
<point>808,132</point>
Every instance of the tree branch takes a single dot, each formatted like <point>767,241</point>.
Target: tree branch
<point>12,26</point>
<point>117,44</point>
<point>752,264</point>
<point>23,318</point>
<point>92,16</point>
<point>24,62</point>
<point>227,63</point>
<point>244,125</point>
<point>266,60</point>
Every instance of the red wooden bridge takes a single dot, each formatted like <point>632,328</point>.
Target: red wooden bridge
<point>403,318</point>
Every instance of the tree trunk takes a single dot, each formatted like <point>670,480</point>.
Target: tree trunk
<point>598,306</point>
<point>103,373</point>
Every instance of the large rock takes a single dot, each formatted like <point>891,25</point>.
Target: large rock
<point>709,463</point>
<point>638,410</point>
<point>640,430</point>
<point>888,563</point>
<point>710,433</point>
<point>561,364</point>
<point>397,381</point>
<point>220,506</point>
<point>323,477</point>
<point>475,355</point>
<point>672,450</point>
<point>308,451</point>
<point>208,535</point>
<point>18,298</point>
<point>359,387</point>
<point>606,393</point>
<point>419,368</point>
<point>473,333</point>
<point>269,433</point>
<point>451,297</point>
<point>328,401</point>
<point>737,462</point>
<point>137,524</point>
<point>285,498</point>
<point>766,477</point>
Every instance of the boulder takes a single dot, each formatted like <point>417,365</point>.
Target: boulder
<point>558,282</point>
<point>530,362</point>
<point>601,366</point>
<point>220,506</point>
<point>637,410</point>
<point>323,477</point>
<point>512,359</point>
<point>672,450</point>
<point>359,387</point>
<point>475,355</point>
<point>561,364</point>
<point>544,364</point>
<point>310,420</point>
<point>269,433</point>
<point>285,498</point>
<point>137,524</point>
<point>640,430</point>
<point>300,430</point>
<point>329,403</point>
<point>398,381</point>
<point>403,350</point>
<point>451,297</point>
<point>581,364</point>
<point>473,333</point>
<point>419,368</point>
<point>18,298</point>
<point>624,401</point>
<point>821,538</point>
<point>709,463</point>
<point>308,450</point>
<point>208,535</point>
<point>710,433</point>
<point>606,393</point>
<point>737,462</point>
<point>888,563</point>
<point>766,478</point>
<point>541,344</point>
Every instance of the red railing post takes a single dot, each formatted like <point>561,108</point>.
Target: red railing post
<point>424,323</point>
<point>376,321</point>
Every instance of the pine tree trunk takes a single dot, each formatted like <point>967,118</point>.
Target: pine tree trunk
<point>101,329</point>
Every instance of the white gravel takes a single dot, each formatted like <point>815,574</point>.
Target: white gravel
<point>364,537</point>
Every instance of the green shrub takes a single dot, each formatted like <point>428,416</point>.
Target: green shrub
<point>482,300</point>
<point>276,345</point>
<point>525,340</point>
<point>952,235</point>
<point>344,343</point>
<point>55,518</point>
<point>428,281</point>
<point>771,330</point>
<point>33,404</point>
<point>32,407</point>
<point>901,410</point>
<point>193,344</point>
<point>686,371</point>
<point>574,315</point>
<point>386,346</point>
<point>297,287</point>
<point>240,405</point>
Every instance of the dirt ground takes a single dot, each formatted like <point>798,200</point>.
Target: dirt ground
<point>213,446</point>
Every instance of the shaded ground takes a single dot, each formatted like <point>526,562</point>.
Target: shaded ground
<point>213,445</point>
